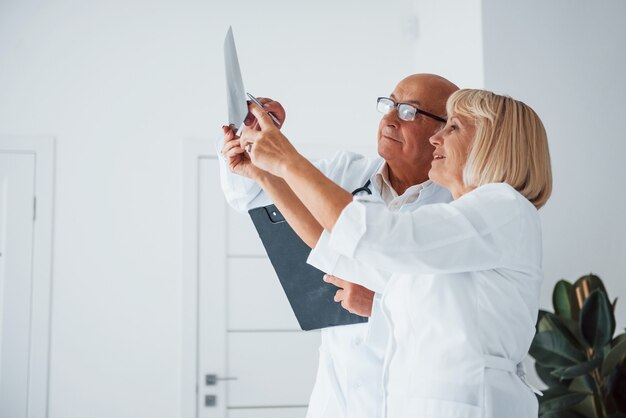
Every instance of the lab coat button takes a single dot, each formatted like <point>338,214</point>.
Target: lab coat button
<point>357,384</point>
<point>357,341</point>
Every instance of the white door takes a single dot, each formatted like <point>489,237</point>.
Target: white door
<point>17,182</point>
<point>253,361</point>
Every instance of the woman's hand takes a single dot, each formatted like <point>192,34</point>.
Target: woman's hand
<point>267,147</point>
<point>237,159</point>
<point>272,152</point>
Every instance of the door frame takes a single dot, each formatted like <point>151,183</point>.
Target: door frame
<point>43,148</point>
<point>191,388</point>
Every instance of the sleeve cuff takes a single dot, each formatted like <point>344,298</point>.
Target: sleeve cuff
<point>377,311</point>
<point>349,229</point>
<point>322,256</point>
<point>332,262</point>
<point>218,148</point>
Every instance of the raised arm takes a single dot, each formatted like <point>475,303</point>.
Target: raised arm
<point>353,297</point>
<point>476,232</point>
<point>276,189</point>
<point>271,151</point>
<point>294,211</point>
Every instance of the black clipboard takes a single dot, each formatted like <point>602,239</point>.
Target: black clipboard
<point>311,298</point>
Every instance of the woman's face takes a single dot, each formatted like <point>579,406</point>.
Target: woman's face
<point>452,146</point>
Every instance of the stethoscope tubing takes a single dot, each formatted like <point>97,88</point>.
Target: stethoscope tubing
<point>365,188</point>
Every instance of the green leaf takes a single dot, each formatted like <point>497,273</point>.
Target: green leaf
<point>584,383</point>
<point>558,399</point>
<point>583,287</point>
<point>546,377</point>
<point>614,304</point>
<point>608,382</point>
<point>597,323</point>
<point>614,358</point>
<point>593,281</point>
<point>574,329</point>
<point>578,370</point>
<point>543,323</point>
<point>552,349</point>
<point>561,299</point>
<point>567,327</point>
<point>587,408</point>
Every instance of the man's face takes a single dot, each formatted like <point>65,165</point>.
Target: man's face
<point>404,144</point>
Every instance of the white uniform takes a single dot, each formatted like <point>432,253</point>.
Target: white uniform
<point>349,378</point>
<point>461,303</point>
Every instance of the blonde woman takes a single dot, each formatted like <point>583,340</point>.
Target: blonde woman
<point>463,295</point>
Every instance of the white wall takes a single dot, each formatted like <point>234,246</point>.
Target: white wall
<point>566,59</point>
<point>449,40</point>
<point>120,84</point>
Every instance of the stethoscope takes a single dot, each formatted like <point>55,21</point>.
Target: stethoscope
<point>365,188</point>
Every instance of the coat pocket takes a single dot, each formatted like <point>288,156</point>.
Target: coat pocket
<point>327,399</point>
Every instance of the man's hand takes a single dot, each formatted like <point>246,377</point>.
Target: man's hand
<point>354,298</point>
<point>237,159</point>
<point>271,106</point>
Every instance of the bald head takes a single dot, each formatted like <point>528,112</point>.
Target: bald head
<point>436,90</point>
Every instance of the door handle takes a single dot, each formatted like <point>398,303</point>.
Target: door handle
<point>212,379</point>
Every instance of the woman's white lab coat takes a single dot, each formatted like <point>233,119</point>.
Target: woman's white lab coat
<point>462,302</point>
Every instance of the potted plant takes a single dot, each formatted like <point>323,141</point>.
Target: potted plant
<point>577,356</point>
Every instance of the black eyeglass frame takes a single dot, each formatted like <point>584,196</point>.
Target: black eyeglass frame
<point>417,109</point>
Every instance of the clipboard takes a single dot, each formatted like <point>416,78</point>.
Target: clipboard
<point>311,298</point>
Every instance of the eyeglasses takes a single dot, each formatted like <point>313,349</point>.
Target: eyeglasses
<point>406,112</point>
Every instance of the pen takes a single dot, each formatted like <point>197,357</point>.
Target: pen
<point>254,99</point>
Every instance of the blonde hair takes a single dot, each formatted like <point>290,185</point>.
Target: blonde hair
<point>510,145</point>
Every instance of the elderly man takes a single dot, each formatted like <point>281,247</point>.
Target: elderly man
<point>349,379</point>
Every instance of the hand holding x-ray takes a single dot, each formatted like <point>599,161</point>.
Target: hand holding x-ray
<point>269,149</point>
<point>236,96</point>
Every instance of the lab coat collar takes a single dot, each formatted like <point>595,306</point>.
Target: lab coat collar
<point>431,193</point>
<point>389,194</point>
